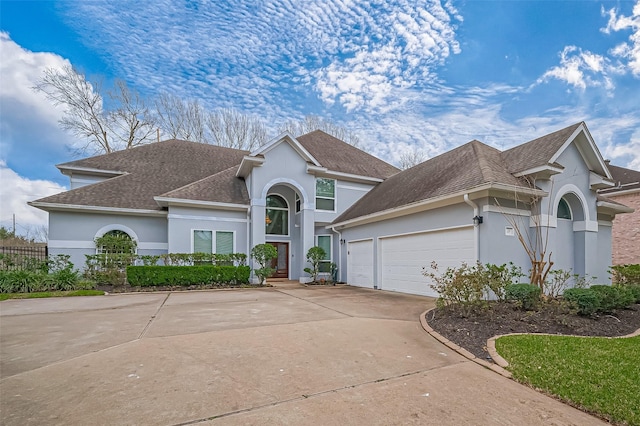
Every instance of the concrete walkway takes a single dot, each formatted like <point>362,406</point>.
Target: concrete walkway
<point>284,355</point>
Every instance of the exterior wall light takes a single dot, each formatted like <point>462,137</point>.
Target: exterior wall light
<point>477,220</point>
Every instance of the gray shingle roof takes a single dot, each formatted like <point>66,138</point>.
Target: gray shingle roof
<point>537,152</point>
<point>223,187</point>
<point>339,156</point>
<point>465,167</point>
<point>624,179</point>
<point>150,170</point>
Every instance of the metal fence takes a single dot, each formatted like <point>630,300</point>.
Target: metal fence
<point>17,257</point>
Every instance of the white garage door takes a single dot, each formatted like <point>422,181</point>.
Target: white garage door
<point>360,263</point>
<point>404,257</point>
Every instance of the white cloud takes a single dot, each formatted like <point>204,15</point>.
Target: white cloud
<point>15,192</point>
<point>581,69</point>
<point>629,51</point>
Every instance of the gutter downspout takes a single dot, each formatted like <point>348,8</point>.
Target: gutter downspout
<point>476,226</point>
<point>333,228</point>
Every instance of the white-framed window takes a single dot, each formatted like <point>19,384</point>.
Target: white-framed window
<point>326,194</point>
<point>326,243</point>
<point>298,203</point>
<point>116,242</point>
<point>203,241</point>
<point>276,216</point>
<point>564,211</point>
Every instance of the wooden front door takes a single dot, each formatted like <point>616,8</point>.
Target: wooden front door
<point>281,263</point>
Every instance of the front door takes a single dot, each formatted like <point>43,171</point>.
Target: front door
<point>281,263</point>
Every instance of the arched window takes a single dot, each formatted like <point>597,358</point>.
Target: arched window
<point>115,242</point>
<point>277,216</point>
<point>564,211</point>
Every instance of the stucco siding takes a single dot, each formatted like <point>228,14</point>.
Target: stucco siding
<point>74,233</point>
<point>182,221</point>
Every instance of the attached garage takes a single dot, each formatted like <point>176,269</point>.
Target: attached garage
<point>403,257</point>
<point>360,263</point>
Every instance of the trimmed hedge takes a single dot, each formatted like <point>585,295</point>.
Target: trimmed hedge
<point>600,298</point>
<point>527,295</point>
<point>148,276</point>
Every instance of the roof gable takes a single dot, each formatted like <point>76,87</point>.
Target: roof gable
<point>543,152</point>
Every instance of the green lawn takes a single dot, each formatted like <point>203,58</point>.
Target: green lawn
<point>40,295</point>
<point>598,374</point>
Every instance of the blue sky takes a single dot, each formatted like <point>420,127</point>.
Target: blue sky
<point>402,74</point>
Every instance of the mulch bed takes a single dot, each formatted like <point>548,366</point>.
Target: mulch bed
<point>473,331</point>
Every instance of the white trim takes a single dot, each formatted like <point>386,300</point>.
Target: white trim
<point>214,248</point>
<point>117,227</point>
<point>288,210</point>
<point>330,245</point>
<point>262,201</point>
<point>582,128</point>
<point>611,192</point>
<point>353,188</point>
<point>90,245</point>
<point>335,196</point>
<point>187,202</point>
<point>596,181</point>
<point>614,207</point>
<point>506,210</point>
<point>99,209</point>
<point>570,188</point>
<point>583,225</point>
<point>548,168</point>
<point>427,231</point>
<point>434,202</point>
<point>360,240</point>
<point>605,223</point>
<point>293,142</point>
<point>210,218</point>
<point>324,172</point>
<point>71,244</point>
<point>90,170</point>
<point>550,221</point>
<point>87,181</point>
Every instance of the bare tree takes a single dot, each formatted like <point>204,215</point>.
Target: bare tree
<point>534,239</point>
<point>125,126</point>
<point>130,124</point>
<point>180,119</point>
<point>411,157</point>
<point>313,122</point>
<point>231,128</point>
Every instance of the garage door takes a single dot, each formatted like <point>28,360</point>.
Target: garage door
<point>403,258</point>
<point>360,263</point>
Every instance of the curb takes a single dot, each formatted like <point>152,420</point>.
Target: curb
<point>491,343</point>
<point>465,353</point>
<point>500,363</point>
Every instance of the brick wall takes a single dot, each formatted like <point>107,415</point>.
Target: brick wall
<point>626,231</point>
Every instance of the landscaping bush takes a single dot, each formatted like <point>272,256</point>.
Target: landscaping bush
<point>499,277</point>
<point>626,274</point>
<point>459,286</point>
<point>585,300</point>
<point>147,276</point>
<point>314,256</point>
<point>526,296</point>
<point>263,254</point>
<point>611,298</point>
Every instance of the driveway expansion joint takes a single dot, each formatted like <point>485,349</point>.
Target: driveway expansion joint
<point>146,327</point>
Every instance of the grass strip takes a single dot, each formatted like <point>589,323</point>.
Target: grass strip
<point>596,374</point>
<point>44,294</point>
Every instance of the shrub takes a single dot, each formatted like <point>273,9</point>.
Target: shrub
<point>585,300</point>
<point>147,276</point>
<point>457,286</point>
<point>263,254</point>
<point>526,296</point>
<point>611,298</point>
<point>635,291</point>
<point>499,277</point>
<point>314,256</point>
<point>626,274</point>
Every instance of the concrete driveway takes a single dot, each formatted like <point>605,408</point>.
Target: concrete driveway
<point>286,355</point>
